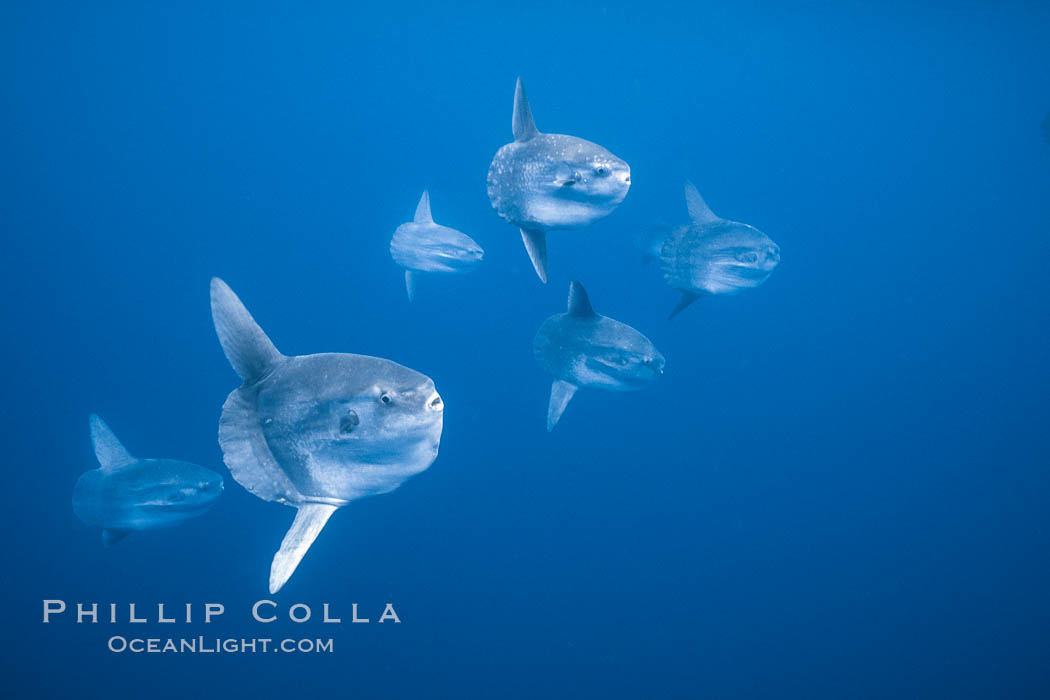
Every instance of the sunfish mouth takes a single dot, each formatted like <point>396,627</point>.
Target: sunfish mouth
<point>751,272</point>
<point>638,374</point>
<point>175,506</point>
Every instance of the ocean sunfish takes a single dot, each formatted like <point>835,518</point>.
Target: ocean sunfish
<point>126,493</point>
<point>542,182</point>
<point>710,255</point>
<point>583,349</point>
<point>424,246</point>
<point>317,431</point>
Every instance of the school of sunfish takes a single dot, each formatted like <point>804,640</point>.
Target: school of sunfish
<point>316,432</point>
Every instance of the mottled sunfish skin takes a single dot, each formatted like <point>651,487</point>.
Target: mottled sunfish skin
<point>542,182</point>
<point>424,246</point>
<point>710,255</point>
<point>580,348</point>
<point>126,493</point>
<point>317,431</point>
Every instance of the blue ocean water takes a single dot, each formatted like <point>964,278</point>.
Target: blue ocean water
<point>838,488</point>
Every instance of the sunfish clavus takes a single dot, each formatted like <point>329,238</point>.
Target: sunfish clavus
<point>126,494</point>
<point>421,245</point>
<point>317,431</point>
<point>542,182</point>
<point>580,348</point>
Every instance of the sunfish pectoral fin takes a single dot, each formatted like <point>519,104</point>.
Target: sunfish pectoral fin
<point>565,176</point>
<point>309,521</point>
<point>423,215</point>
<point>111,536</point>
<point>561,394</point>
<point>111,454</point>
<point>699,212</point>
<point>536,247</point>
<point>410,284</point>
<point>521,122</point>
<point>686,299</point>
<point>247,348</point>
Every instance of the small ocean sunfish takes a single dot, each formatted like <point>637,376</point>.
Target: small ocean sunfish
<point>126,494</point>
<point>710,255</point>
<point>542,182</point>
<point>583,349</point>
<point>317,431</point>
<point>424,246</point>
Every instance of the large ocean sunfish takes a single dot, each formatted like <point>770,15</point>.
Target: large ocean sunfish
<point>542,182</point>
<point>710,255</point>
<point>424,246</point>
<point>583,349</point>
<point>126,494</point>
<point>317,431</point>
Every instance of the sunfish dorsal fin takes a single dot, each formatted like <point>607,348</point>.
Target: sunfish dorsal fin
<point>521,122</point>
<point>699,212</point>
<point>110,453</point>
<point>536,247</point>
<point>410,284</point>
<point>247,348</point>
<point>579,303</point>
<point>561,394</point>
<point>309,521</point>
<point>423,215</point>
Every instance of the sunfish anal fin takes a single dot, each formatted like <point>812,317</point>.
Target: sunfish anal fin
<point>536,247</point>
<point>110,536</point>
<point>247,348</point>
<point>561,394</point>
<point>699,212</point>
<point>521,123</point>
<point>410,284</point>
<point>423,215</point>
<point>110,453</point>
<point>579,303</point>
<point>309,521</point>
<point>686,299</point>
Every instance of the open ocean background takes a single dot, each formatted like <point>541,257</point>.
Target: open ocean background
<point>838,489</point>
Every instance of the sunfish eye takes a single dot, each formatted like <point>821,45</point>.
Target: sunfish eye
<point>350,421</point>
<point>748,257</point>
<point>386,398</point>
<point>601,171</point>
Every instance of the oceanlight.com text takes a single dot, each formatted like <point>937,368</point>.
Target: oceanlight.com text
<point>216,645</point>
